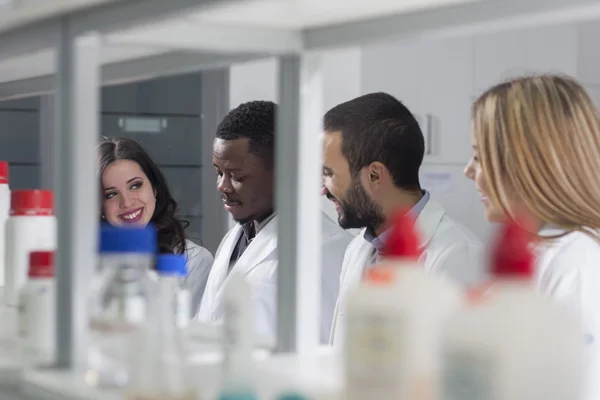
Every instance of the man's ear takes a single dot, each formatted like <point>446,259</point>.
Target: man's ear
<point>376,172</point>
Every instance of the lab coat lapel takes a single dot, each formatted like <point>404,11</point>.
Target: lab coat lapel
<point>260,248</point>
<point>428,221</point>
<point>220,267</point>
<point>355,261</point>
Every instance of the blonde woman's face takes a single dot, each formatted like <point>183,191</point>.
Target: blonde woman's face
<point>473,171</point>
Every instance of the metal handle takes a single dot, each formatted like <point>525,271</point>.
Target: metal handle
<point>430,145</point>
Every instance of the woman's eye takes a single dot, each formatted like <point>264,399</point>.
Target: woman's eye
<point>109,195</point>
<point>136,185</point>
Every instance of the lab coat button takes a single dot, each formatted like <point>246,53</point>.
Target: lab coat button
<point>213,318</point>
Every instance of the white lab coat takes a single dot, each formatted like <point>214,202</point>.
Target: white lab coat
<point>448,248</point>
<point>199,262</point>
<point>568,269</point>
<point>258,264</point>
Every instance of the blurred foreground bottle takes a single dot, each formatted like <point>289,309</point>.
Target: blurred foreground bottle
<point>118,302</point>
<point>158,368</point>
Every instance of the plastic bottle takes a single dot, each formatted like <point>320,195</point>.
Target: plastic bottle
<point>238,340</point>
<point>174,266</point>
<point>37,311</point>
<point>158,371</point>
<point>373,343</point>
<point>30,227</point>
<point>4,211</point>
<point>513,344</point>
<point>118,301</point>
<point>393,332</point>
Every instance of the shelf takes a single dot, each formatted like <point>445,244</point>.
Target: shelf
<point>212,35</point>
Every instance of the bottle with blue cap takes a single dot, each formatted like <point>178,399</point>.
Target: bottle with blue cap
<point>158,366</point>
<point>173,269</point>
<point>118,299</point>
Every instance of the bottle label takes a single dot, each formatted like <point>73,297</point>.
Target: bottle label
<point>466,376</point>
<point>374,355</point>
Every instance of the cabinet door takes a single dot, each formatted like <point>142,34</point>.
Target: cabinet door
<point>20,136</point>
<point>172,140</point>
<point>394,68</point>
<point>499,56</point>
<point>446,88</point>
<point>552,49</point>
<point>543,49</point>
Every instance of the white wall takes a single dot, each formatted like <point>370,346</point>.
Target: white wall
<point>258,81</point>
<point>441,77</point>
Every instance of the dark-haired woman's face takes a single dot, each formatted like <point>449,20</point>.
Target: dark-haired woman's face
<point>128,196</point>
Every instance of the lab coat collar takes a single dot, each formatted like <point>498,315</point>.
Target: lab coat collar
<point>250,227</point>
<point>428,221</point>
<point>263,244</point>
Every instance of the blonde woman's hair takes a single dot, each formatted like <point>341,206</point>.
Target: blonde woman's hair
<point>538,138</point>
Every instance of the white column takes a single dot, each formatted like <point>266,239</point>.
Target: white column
<point>298,182</point>
<point>76,188</point>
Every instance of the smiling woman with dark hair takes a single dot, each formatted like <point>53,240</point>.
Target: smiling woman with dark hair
<point>134,191</point>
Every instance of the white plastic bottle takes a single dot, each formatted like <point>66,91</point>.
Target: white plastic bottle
<point>174,267</point>
<point>37,310</point>
<point>31,226</point>
<point>373,343</point>
<point>393,332</point>
<point>513,344</point>
<point>238,380</point>
<point>4,210</point>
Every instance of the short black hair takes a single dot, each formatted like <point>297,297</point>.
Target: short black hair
<point>254,120</point>
<point>378,127</point>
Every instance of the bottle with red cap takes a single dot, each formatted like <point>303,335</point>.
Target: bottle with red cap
<point>392,345</point>
<point>37,308</point>
<point>31,226</point>
<point>4,209</point>
<point>512,344</point>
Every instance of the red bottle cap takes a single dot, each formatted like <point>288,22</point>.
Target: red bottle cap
<point>512,256</point>
<point>31,203</point>
<point>403,240</point>
<point>3,173</point>
<point>41,264</point>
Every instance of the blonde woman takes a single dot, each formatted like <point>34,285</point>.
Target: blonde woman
<point>536,143</point>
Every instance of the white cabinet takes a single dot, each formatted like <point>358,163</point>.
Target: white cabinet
<point>434,79</point>
<point>446,89</point>
<point>507,54</point>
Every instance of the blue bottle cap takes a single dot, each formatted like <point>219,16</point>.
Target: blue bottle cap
<point>171,264</point>
<point>117,239</point>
